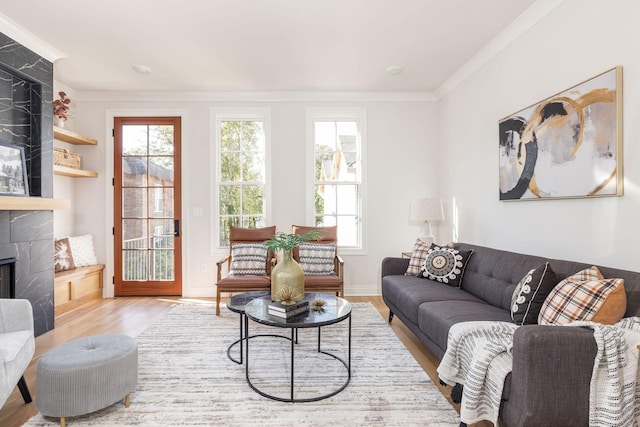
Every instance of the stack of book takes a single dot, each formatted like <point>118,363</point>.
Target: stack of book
<point>276,308</point>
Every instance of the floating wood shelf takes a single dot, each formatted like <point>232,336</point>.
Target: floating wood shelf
<point>65,135</point>
<point>9,203</point>
<point>75,173</point>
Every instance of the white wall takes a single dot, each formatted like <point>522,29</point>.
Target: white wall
<point>401,161</point>
<point>64,187</point>
<point>579,39</point>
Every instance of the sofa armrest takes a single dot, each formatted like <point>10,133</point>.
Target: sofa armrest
<point>394,266</point>
<point>552,366</point>
<point>15,315</point>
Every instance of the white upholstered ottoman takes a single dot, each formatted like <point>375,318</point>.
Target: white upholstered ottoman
<point>85,375</point>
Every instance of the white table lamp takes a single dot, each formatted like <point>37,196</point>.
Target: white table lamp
<point>423,211</point>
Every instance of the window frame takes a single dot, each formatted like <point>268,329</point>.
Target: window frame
<point>358,115</point>
<point>219,115</point>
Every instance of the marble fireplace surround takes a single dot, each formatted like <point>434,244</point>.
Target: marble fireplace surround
<point>26,120</point>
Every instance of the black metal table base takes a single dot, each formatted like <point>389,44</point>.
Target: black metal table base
<point>294,341</point>
<point>242,340</point>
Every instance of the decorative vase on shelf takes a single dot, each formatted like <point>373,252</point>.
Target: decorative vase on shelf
<point>59,122</point>
<point>287,279</point>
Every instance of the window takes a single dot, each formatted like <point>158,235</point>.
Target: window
<point>241,146</point>
<point>336,141</point>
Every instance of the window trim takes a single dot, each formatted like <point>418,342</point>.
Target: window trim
<point>217,115</point>
<point>338,113</point>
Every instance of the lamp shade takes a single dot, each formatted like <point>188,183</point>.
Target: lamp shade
<point>426,209</point>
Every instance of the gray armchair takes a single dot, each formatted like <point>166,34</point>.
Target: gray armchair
<point>17,346</point>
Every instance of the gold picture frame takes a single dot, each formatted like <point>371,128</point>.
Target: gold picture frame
<point>566,146</point>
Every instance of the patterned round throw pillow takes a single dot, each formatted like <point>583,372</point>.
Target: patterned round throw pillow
<point>445,265</point>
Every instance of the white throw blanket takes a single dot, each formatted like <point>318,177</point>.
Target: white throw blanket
<point>479,357</point>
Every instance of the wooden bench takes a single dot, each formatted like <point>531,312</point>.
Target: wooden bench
<point>76,287</point>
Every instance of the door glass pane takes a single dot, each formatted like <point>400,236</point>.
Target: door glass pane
<point>134,245</point>
<point>161,233</point>
<point>160,202</point>
<point>160,171</point>
<point>161,139</point>
<point>134,140</point>
<point>134,265</point>
<point>134,234</point>
<point>134,171</point>
<point>134,202</point>
<point>161,264</point>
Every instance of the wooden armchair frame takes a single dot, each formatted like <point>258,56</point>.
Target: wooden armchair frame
<point>244,283</point>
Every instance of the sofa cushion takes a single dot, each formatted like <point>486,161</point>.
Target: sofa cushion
<point>587,296</point>
<point>445,265</point>
<point>436,318</point>
<point>248,259</point>
<point>530,294</point>
<point>408,292</point>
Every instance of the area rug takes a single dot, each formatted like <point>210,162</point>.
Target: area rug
<point>186,378</point>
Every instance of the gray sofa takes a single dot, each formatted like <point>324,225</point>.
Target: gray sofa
<point>552,366</point>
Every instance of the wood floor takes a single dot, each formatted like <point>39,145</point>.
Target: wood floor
<point>132,315</point>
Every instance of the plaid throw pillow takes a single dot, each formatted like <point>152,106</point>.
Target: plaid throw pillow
<point>316,259</point>
<point>587,296</point>
<point>248,259</point>
<point>418,256</point>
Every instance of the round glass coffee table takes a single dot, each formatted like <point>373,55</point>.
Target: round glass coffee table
<point>334,311</point>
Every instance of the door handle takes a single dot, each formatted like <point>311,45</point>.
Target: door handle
<point>176,228</point>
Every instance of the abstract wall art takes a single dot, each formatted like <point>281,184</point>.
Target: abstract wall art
<point>567,146</point>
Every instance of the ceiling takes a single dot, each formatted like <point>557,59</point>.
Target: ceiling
<point>262,45</point>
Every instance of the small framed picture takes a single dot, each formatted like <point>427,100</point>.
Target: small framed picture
<point>13,171</point>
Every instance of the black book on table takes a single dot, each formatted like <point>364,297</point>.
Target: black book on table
<point>291,313</point>
<point>279,306</point>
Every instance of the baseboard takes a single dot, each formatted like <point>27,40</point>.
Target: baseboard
<point>355,290</point>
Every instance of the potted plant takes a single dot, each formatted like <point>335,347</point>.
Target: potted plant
<point>287,277</point>
<point>61,109</point>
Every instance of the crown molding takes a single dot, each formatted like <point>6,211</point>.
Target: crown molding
<point>18,33</point>
<point>163,96</point>
<point>523,23</point>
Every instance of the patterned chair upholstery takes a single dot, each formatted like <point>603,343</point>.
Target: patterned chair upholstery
<point>330,282</point>
<point>244,281</point>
